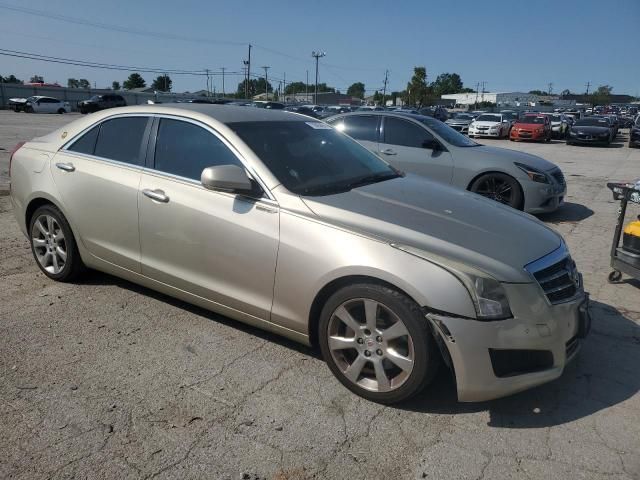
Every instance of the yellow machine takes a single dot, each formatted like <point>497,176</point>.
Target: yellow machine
<point>631,237</point>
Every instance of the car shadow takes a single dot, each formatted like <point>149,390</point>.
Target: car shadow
<point>567,213</point>
<point>603,374</point>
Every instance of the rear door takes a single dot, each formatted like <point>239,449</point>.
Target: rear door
<point>363,128</point>
<point>98,175</point>
<point>410,148</point>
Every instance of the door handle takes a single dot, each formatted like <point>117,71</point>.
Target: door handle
<point>389,151</point>
<point>157,195</point>
<point>67,167</point>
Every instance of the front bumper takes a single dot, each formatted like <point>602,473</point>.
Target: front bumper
<point>552,332</point>
<point>484,133</point>
<point>526,135</point>
<point>542,197</point>
<point>589,140</point>
<point>459,127</point>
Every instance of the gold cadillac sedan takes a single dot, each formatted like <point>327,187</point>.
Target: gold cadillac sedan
<point>282,222</point>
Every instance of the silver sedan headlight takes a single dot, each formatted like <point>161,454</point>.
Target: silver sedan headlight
<point>488,295</point>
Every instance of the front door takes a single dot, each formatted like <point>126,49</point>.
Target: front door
<point>219,246</point>
<point>411,148</point>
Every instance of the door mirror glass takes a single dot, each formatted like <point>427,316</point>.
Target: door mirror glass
<point>431,144</point>
<point>227,178</point>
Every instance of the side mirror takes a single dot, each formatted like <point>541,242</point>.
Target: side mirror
<point>432,145</point>
<point>226,178</point>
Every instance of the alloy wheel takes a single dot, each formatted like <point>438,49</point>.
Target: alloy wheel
<point>371,345</point>
<point>49,244</point>
<point>496,189</point>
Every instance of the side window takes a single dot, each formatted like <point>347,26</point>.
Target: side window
<point>86,143</point>
<point>362,127</point>
<point>185,149</point>
<point>120,139</point>
<point>403,133</point>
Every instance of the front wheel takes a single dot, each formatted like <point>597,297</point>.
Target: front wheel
<point>377,342</point>
<point>53,245</point>
<point>499,187</point>
<point>61,111</point>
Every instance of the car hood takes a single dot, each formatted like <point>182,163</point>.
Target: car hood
<point>485,123</point>
<point>513,156</point>
<point>528,126</point>
<point>592,130</point>
<point>442,221</point>
<point>458,121</point>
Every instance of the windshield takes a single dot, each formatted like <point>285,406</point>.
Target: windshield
<point>592,122</point>
<point>489,118</point>
<point>530,119</point>
<point>96,98</point>
<point>556,118</point>
<point>509,115</point>
<point>447,133</point>
<point>312,158</point>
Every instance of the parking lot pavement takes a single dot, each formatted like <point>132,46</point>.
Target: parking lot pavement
<point>104,379</point>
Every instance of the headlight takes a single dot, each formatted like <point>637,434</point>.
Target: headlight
<point>572,133</point>
<point>533,173</point>
<point>488,295</point>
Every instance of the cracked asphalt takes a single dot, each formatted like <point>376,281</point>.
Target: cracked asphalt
<point>103,379</point>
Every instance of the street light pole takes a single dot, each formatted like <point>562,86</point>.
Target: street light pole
<point>266,81</point>
<point>317,56</point>
<point>223,69</point>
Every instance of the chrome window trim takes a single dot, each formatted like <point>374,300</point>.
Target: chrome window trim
<point>116,163</point>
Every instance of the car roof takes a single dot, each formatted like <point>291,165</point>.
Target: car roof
<point>223,113</point>
<point>386,113</point>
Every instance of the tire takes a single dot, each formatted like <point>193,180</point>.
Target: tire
<point>61,111</point>
<point>489,185</point>
<point>365,350</point>
<point>45,226</point>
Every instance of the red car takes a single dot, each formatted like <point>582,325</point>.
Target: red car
<point>531,127</point>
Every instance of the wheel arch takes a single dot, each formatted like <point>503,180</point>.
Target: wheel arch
<point>501,172</point>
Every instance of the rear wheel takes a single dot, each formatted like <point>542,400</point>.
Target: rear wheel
<point>53,245</point>
<point>377,342</point>
<point>61,111</point>
<point>499,187</point>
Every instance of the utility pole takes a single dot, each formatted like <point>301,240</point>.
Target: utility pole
<point>477,90</point>
<point>550,85</point>
<point>266,81</point>
<point>306,89</point>
<point>248,71</point>
<point>207,70</point>
<point>483,90</point>
<point>588,85</point>
<point>284,83</point>
<point>384,90</point>
<point>317,56</point>
<point>223,69</point>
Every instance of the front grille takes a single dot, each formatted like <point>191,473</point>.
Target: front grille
<point>559,281</point>
<point>572,346</point>
<point>509,363</point>
<point>559,176</point>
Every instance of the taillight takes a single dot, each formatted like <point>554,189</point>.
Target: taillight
<point>13,152</point>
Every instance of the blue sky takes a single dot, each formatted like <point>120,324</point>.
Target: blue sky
<point>511,45</point>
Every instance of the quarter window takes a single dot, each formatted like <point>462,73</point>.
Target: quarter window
<point>185,149</point>
<point>121,138</point>
<point>406,134</point>
<point>87,143</point>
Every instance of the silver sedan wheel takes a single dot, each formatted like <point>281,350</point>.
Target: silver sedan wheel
<point>49,244</point>
<point>370,345</point>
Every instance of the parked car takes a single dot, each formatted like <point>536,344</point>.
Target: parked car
<point>560,124</point>
<point>612,126</point>
<point>510,115</point>
<point>370,108</point>
<point>41,104</point>
<point>101,102</point>
<point>532,127</point>
<point>634,134</point>
<point>490,125</point>
<point>590,130</point>
<point>282,222</point>
<point>304,110</point>
<point>17,104</point>
<point>460,121</point>
<point>427,147</point>
<point>436,112</point>
<point>269,105</point>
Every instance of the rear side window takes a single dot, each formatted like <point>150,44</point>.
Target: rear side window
<point>121,138</point>
<point>185,149</point>
<point>87,143</point>
<point>406,134</point>
<point>361,127</point>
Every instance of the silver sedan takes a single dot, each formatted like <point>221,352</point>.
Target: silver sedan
<point>430,148</point>
<point>280,221</point>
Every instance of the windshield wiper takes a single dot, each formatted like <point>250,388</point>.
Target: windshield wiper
<point>369,179</point>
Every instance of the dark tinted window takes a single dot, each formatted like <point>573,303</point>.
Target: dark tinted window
<point>86,143</point>
<point>361,127</point>
<point>48,100</point>
<point>185,149</point>
<point>406,134</point>
<point>120,139</point>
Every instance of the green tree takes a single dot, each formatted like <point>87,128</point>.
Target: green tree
<point>467,90</point>
<point>36,79</point>
<point>417,88</point>
<point>256,86</point>
<point>84,83</point>
<point>565,92</point>
<point>602,95</point>
<point>537,92</point>
<point>162,83</point>
<point>356,90</point>
<point>73,83</point>
<point>322,88</point>
<point>135,80</point>
<point>296,87</point>
<point>10,79</point>
<point>447,83</point>
<point>115,85</point>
